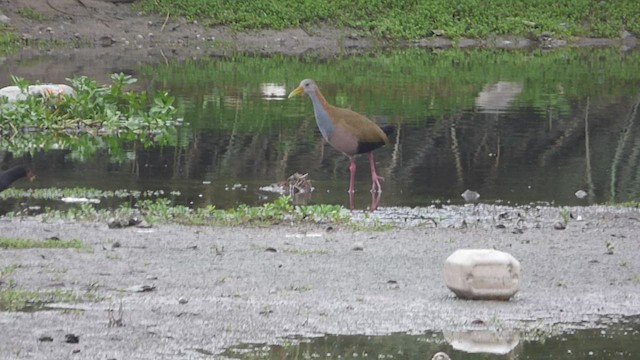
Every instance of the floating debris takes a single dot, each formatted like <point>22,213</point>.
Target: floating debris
<point>295,184</point>
<point>581,194</point>
<point>235,187</point>
<point>80,200</point>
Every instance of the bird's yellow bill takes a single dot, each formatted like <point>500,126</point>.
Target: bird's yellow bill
<point>297,91</point>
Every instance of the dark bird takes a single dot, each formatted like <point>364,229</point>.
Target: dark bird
<point>347,131</point>
<point>9,176</point>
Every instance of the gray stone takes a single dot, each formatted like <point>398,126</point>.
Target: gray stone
<point>482,274</point>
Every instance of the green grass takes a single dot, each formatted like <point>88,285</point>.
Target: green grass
<point>23,300</point>
<point>418,18</point>
<point>162,210</point>
<point>31,13</point>
<point>16,243</point>
<point>9,40</point>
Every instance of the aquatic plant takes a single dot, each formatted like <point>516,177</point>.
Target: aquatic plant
<point>95,117</point>
<point>160,210</point>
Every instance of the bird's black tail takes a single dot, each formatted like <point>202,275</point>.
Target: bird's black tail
<point>388,129</point>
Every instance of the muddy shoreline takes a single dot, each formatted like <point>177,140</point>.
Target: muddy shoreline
<point>215,287</point>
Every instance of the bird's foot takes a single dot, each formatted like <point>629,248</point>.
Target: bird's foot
<point>376,187</point>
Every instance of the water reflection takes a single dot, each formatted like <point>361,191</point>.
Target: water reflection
<point>615,341</point>
<point>483,341</point>
<point>515,127</point>
<point>271,91</point>
<point>497,97</point>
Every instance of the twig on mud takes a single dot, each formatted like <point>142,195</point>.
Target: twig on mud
<point>166,61</point>
<point>113,321</point>
<point>165,22</point>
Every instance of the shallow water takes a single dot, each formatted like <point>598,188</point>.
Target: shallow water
<point>517,127</point>
<point>613,341</point>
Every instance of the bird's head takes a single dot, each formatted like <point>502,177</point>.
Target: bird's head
<point>30,175</point>
<point>306,86</point>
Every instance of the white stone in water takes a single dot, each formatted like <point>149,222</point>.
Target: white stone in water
<point>483,341</point>
<point>482,274</point>
<point>470,196</point>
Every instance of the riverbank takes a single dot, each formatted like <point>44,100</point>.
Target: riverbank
<point>120,27</point>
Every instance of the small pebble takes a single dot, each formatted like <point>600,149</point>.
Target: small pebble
<point>45,338</point>
<point>140,288</point>
<point>71,339</point>
<point>358,247</point>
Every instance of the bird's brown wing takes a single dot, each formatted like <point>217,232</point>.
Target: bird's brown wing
<point>363,129</point>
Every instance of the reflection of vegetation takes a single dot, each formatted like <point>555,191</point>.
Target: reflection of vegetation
<point>432,84</point>
<point>96,117</point>
<point>432,96</point>
<point>417,19</point>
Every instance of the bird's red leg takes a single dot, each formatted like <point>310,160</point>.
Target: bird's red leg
<point>375,179</point>
<point>352,169</point>
<point>375,200</point>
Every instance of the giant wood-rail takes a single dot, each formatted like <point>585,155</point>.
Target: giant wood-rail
<point>347,131</point>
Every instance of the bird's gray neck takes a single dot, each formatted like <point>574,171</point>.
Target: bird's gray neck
<point>323,120</point>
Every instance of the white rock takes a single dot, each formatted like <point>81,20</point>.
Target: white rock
<point>14,93</point>
<point>482,274</point>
